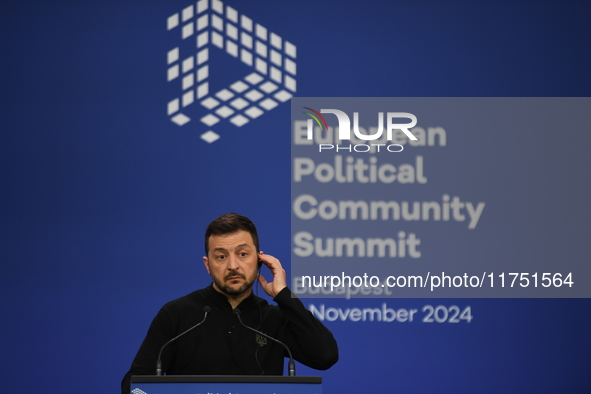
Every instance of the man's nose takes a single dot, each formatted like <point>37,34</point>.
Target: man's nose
<point>232,262</point>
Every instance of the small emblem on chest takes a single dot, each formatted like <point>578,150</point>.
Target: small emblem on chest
<point>261,340</point>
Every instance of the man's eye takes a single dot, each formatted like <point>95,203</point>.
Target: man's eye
<point>243,254</point>
<point>221,257</point>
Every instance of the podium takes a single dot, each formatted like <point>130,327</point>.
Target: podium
<point>225,384</point>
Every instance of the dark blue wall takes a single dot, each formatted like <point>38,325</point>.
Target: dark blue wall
<point>105,200</point>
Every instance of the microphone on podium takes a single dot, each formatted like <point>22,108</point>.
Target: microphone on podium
<point>206,309</point>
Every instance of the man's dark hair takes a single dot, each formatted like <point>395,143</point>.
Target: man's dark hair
<point>231,223</point>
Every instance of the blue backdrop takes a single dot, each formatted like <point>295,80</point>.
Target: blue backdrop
<point>105,200</point>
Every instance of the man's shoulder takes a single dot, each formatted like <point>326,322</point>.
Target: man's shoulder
<point>197,299</point>
<point>268,310</point>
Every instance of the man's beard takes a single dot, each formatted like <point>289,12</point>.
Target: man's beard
<point>228,290</point>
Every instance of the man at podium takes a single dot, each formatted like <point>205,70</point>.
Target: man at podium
<point>224,343</point>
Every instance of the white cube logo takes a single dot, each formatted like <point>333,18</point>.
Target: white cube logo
<point>218,27</point>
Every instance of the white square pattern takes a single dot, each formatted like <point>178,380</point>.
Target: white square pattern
<point>213,24</point>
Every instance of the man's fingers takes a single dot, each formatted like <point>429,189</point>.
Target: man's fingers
<point>263,281</point>
<point>270,261</point>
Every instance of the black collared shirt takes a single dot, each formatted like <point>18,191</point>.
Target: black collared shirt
<point>222,346</point>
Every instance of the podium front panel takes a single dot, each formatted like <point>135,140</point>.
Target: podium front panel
<point>226,385</point>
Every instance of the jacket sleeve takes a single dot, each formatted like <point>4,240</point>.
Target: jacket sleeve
<point>311,343</point>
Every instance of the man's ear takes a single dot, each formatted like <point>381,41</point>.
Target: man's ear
<point>206,263</point>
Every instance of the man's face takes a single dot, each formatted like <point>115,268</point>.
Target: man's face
<point>232,262</point>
